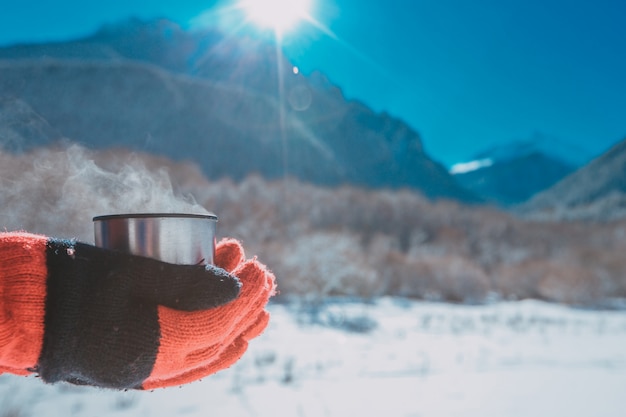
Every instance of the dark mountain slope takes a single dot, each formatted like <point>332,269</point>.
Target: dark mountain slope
<point>596,191</point>
<point>515,180</point>
<point>229,131</point>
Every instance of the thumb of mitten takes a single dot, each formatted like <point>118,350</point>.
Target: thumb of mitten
<point>229,254</point>
<point>182,287</point>
<point>186,288</point>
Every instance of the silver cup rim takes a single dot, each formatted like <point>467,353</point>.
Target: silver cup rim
<point>154,215</point>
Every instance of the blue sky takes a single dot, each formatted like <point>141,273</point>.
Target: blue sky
<point>466,75</point>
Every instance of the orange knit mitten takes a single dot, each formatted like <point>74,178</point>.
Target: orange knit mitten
<point>73,312</point>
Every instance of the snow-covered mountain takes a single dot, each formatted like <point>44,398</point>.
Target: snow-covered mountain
<point>538,143</point>
<point>510,174</point>
<point>232,105</point>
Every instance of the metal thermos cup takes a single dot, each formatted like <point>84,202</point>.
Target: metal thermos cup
<point>183,239</point>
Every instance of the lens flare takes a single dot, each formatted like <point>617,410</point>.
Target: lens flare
<point>279,15</point>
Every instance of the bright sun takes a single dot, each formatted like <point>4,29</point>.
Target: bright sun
<point>279,15</point>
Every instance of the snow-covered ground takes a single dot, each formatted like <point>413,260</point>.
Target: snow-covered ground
<point>388,358</point>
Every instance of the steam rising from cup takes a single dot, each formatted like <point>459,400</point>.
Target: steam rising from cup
<point>57,192</point>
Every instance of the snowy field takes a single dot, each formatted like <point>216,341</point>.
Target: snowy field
<point>388,358</point>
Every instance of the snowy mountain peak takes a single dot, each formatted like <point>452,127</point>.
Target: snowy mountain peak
<point>537,144</point>
<point>465,167</point>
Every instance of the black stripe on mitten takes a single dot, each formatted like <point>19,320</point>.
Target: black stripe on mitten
<point>96,331</point>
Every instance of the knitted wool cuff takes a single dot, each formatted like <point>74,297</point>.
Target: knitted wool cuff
<point>22,300</point>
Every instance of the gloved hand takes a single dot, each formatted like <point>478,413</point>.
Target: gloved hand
<point>77,313</point>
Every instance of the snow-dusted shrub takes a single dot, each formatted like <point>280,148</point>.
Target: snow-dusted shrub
<point>324,264</point>
<point>437,278</point>
<point>569,283</point>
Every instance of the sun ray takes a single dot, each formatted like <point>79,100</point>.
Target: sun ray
<point>282,19</point>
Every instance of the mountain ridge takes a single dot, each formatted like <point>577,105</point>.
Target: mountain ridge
<point>110,98</point>
<point>511,174</point>
<point>596,191</point>
<point>130,83</point>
